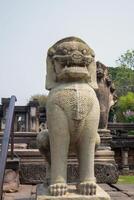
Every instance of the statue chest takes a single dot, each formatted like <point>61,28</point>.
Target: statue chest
<point>75,102</point>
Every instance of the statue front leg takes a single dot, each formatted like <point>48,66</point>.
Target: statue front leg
<point>87,184</point>
<point>59,145</point>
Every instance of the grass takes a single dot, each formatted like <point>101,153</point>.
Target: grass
<point>126,179</point>
<point>131,133</point>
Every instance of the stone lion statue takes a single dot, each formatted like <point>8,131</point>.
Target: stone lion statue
<point>72,113</point>
<point>105,93</point>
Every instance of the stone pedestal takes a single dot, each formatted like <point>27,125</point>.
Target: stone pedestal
<point>105,138</point>
<point>104,160</point>
<point>106,170</point>
<point>42,194</point>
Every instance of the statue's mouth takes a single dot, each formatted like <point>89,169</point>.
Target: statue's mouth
<point>74,66</point>
<point>73,72</point>
<point>74,60</point>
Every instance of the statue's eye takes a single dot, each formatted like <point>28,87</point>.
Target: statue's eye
<point>65,51</point>
<point>93,55</point>
<point>84,51</point>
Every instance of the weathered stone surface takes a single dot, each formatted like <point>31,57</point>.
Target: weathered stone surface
<point>28,192</point>
<point>107,187</point>
<point>106,137</point>
<point>106,173</point>
<point>32,173</point>
<point>126,189</point>
<point>43,194</point>
<point>106,94</point>
<point>119,195</point>
<point>18,146</point>
<point>24,193</point>
<point>11,181</point>
<point>115,192</point>
<point>36,173</point>
<point>72,113</point>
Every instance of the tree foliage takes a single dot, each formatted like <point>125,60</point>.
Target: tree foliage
<point>127,102</point>
<point>123,73</point>
<point>125,108</point>
<point>41,99</point>
<point>126,60</point>
<point>123,79</point>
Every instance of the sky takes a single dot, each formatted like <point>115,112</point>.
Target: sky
<point>29,27</point>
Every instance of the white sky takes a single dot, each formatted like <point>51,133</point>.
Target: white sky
<point>29,27</point>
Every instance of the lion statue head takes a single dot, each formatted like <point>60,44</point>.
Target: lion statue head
<point>69,60</point>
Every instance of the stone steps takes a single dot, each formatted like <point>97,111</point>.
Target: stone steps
<point>33,166</point>
<point>33,154</point>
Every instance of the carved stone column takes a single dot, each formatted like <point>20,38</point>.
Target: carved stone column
<point>125,166</point>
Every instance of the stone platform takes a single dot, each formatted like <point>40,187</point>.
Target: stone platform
<point>42,194</point>
<point>33,167</point>
<point>116,192</point>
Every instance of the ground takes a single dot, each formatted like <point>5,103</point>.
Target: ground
<point>126,179</point>
<point>116,191</point>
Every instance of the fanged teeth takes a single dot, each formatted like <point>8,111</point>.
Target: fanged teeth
<point>66,66</point>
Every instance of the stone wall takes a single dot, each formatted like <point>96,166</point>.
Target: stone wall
<point>119,161</point>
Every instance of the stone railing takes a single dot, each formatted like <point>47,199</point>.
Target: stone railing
<point>123,145</point>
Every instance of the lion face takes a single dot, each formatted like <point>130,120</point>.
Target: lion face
<point>71,61</point>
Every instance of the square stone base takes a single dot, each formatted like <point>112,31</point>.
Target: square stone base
<point>42,194</point>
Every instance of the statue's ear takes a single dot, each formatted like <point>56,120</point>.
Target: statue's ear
<point>50,76</point>
<point>92,71</point>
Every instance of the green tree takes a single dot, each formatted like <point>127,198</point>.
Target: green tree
<point>126,60</point>
<point>41,99</point>
<point>123,73</point>
<point>123,79</point>
<point>125,108</point>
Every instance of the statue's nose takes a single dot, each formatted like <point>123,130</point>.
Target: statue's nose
<point>76,55</point>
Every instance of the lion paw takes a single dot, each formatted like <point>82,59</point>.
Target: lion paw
<point>87,188</point>
<point>58,189</point>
